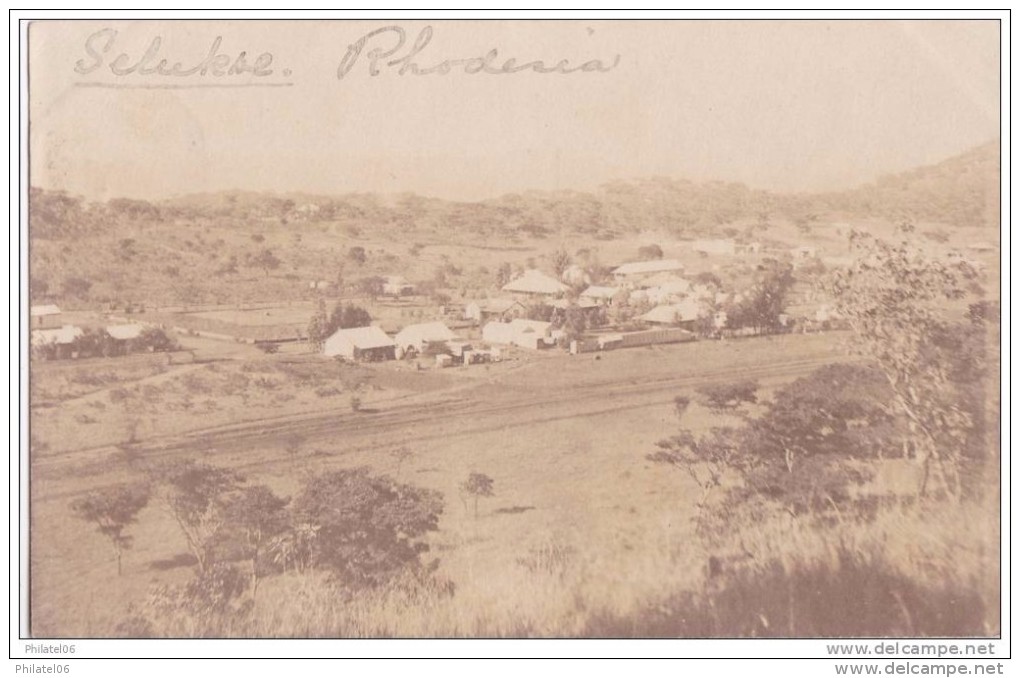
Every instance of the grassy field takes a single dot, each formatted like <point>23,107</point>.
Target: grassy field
<point>563,437</point>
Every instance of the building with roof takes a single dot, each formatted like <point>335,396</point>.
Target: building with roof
<point>686,312</point>
<point>56,336</point>
<point>601,294</point>
<point>125,332</point>
<point>360,343</point>
<point>397,286</point>
<point>44,316</point>
<point>534,283</point>
<point>575,275</point>
<point>485,310</point>
<point>414,338</point>
<point>532,334</point>
<point>639,270</point>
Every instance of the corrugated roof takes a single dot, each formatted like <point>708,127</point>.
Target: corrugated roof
<point>599,292</point>
<point>59,335</point>
<point>535,282</point>
<point>674,313</point>
<point>654,266</point>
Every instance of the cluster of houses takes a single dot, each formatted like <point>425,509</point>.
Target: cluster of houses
<point>49,331</point>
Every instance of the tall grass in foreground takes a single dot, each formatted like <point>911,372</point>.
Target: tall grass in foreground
<point>922,570</point>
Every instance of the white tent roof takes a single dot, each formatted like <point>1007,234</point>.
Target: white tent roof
<point>364,337</point>
<point>422,332</point>
<point>535,282</point>
<point>124,332</point>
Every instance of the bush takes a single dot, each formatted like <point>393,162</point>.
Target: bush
<point>368,528</point>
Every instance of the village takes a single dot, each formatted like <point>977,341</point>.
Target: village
<point>637,303</point>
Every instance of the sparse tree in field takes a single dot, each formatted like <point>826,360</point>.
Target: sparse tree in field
<point>477,485</point>
<point>680,405</point>
<point>708,278</point>
<point>355,403</point>
<point>705,460</point>
<point>196,495</point>
<point>357,255</point>
<point>112,509</point>
<point>254,517</point>
<point>267,261</point>
<point>400,455</point>
<point>367,528</point>
<point>894,299</point>
<point>728,397</point>
<point>650,252</point>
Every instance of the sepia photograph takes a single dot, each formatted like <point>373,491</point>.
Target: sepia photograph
<point>513,329</point>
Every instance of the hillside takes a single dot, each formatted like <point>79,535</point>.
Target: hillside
<point>212,248</point>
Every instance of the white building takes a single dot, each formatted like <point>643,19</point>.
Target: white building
<point>486,309</point>
<point>360,343</point>
<point>601,294</point>
<point>45,315</point>
<point>414,338</point>
<point>397,286</point>
<point>535,283</point>
<point>520,332</point>
<point>125,332</point>
<point>638,270</point>
<point>56,336</point>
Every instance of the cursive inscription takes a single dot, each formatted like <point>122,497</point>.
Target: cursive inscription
<point>380,57</point>
<point>101,43</point>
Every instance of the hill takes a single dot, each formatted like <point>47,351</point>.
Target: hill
<point>212,248</point>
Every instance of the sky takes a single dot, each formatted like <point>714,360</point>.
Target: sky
<point>789,106</point>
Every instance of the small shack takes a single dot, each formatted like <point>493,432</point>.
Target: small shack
<point>44,316</point>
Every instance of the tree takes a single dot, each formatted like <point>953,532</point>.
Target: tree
<point>346,316</point>
<point>650,252</point>
<point>504,274</point>
<point>112,509</point>
<point>318,326</point>
<point>729,396</point>
<point>705,460</point>
<point>253,518</point>
<point>573,321</point>
<point>894,298</point>
<point>477,485</point>
<point>371,286</point>
<point>560,262</point>
<point>267,261</point>
<point>401,455</point>
<point>680,405</point>
<point>368,528</point>
<point>196,496</point>
<point>762,307</point>
<point>357,255</point>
